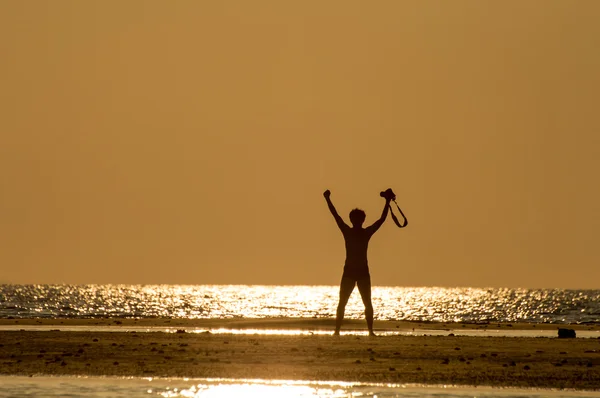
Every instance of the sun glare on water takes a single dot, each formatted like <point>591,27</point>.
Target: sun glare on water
<point>263,389</point>
<point>248,390</point>
<point>426,304</point>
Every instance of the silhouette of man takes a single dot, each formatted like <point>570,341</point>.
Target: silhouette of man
<point>356,268</point>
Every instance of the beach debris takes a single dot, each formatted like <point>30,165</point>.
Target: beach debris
<point>180,331</point>
<point>564,333</point>
<point>446,361</point>
<point>392,369</point>
<point>115,363</point>
<point>457,348</point>
<point>451,335</point>
<point>357,361</point>
<point>95,340</point>
<point>419,368</point>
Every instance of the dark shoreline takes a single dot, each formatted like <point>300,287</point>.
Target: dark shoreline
<point>293,323</point>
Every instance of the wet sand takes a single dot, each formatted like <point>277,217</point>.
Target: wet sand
<point>287,323</point>
<point>492,361</point>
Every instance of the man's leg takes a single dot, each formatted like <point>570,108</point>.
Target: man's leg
<point>364,287</point>
<point>346,287</point>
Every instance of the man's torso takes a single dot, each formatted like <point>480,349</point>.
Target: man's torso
<point>357,243</point>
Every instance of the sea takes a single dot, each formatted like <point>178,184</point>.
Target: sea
<point>426,304</point>
<point>420,304</point>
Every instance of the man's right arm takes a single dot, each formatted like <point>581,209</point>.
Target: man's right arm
<point>341,224</point>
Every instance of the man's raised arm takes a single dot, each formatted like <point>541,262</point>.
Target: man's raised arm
<point>341,224</point>
<point>373,228</point>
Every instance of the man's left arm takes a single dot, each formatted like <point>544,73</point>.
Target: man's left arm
<point>377,224</point>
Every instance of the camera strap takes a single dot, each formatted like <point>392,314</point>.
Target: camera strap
<point>396,218</point>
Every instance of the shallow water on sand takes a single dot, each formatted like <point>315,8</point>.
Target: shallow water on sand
<point>96,387</point>
<point>302,332</point>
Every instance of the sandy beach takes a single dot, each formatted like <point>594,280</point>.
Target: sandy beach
<point>459,360</point>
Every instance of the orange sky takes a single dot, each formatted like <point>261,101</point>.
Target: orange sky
<point>190,142</point>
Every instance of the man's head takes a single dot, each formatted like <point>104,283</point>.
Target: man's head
<point>357,217</point>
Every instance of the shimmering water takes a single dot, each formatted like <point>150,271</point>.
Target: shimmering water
<point>243,301</point>
<point>115,387</point>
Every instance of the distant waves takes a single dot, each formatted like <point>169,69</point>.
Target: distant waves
<point>251,301</point>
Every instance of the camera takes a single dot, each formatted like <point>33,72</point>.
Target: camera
<point>388,194</point>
